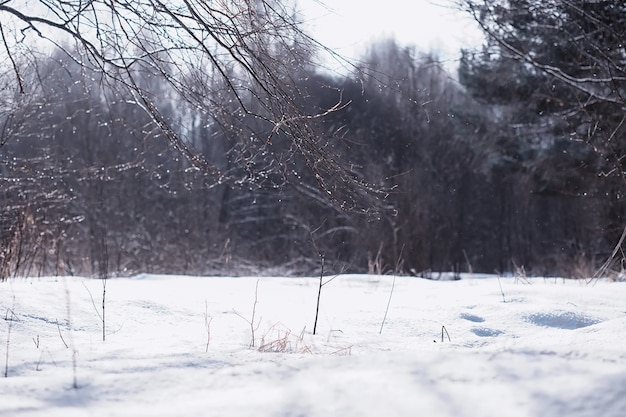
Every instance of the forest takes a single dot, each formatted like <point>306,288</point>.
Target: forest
<point>122,156</point>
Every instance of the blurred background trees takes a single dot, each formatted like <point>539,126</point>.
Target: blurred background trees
<point>555,72</point>
<point>130,155</point>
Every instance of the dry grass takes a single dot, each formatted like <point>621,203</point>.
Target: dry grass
<point>375,265</point>
<point>280,339</point>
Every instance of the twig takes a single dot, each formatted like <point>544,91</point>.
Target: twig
<point>37,368</point>
<point>93,302</point>
<point>304,348</point>
<point>443,329</point>
<point>61,335</point>
<point>393,285</point>
<point>207,323</point>
<point>469,264</point>
<point>607,264</point>
<point>10,326</point>
<point>319,295</point>
<point>69,326</point>
<point>104,294</point>
<point>253,328</point>
<point>344,351</point>
<point>20,80</point>
<point>256,301</point>
<point>501,290</point>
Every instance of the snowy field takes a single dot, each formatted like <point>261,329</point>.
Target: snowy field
<point>538,347</point>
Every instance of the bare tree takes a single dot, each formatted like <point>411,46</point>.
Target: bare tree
<point>571,55</point>
<point>589,34</point>
<point>557,71</point>
<point>209,53</point>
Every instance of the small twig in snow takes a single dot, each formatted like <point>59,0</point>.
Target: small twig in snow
<point>393,285</point>
<point>61,335</point>
<point>251,322</point>
<point>501,290</point>
<point>207,324</point>
<point>10,326</point>
<point>443,329</point>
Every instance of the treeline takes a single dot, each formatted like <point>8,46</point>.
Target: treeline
<point>90,186</point>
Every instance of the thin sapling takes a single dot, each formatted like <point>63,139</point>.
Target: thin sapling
<point>254,325</point>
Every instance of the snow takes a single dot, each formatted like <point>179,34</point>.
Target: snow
<point>530,347</point>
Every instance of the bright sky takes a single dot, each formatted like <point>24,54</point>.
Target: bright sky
<point>348,26</point>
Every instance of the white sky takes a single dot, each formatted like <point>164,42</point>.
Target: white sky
<point>348,26</point>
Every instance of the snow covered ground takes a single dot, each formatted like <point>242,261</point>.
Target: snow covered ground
<point>538,347</point>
